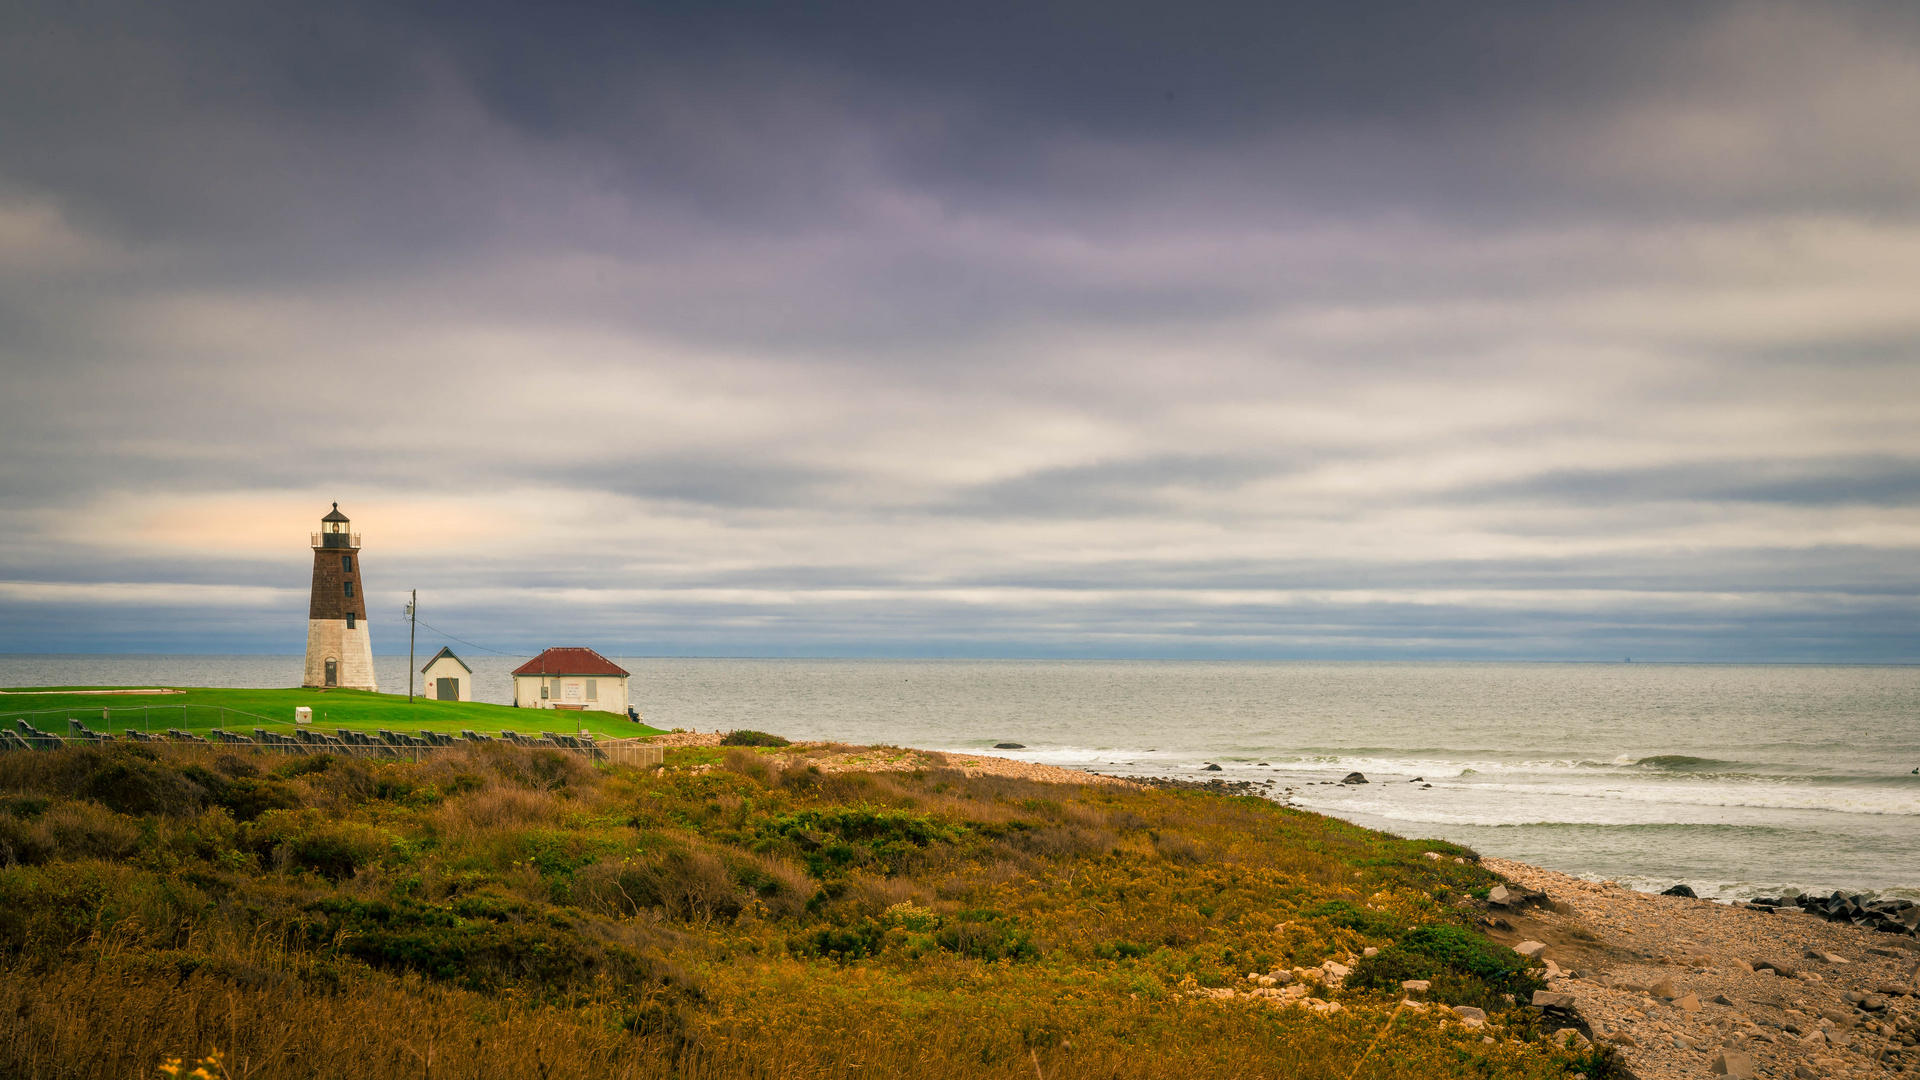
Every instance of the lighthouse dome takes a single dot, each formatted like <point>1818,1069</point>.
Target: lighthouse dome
<point>336,515</point>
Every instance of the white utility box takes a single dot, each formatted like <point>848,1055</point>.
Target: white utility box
<point>302,715</point>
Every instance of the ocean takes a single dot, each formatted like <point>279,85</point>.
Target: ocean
<point>1737,780</point>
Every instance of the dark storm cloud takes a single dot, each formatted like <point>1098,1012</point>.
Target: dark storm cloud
<point>1231,329</point>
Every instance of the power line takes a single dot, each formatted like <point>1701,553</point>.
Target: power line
<point>462,641</point>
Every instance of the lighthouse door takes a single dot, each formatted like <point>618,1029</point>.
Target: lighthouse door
<point>333,672</point>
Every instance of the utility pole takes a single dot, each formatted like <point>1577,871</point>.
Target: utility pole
<point>413,598</point>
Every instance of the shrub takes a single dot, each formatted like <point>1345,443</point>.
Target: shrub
<point>1464,968</point>
<point>1344,914</point>
<point>986,935</point>
<point>745,737</point>
<point>478,942</point>
<point>303,839</point>
<point>305,765</point>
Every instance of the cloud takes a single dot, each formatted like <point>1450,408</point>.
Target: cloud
<point>1241,330</point>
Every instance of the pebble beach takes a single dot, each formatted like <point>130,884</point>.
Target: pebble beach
<point>1690,988</point>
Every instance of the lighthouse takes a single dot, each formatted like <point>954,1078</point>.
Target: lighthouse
<point>339,652</point>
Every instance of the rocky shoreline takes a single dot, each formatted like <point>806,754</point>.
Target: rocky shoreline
<point>1689,988</point>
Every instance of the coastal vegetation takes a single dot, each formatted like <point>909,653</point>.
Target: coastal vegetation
<point>504,912</point>
<point>201,709</point>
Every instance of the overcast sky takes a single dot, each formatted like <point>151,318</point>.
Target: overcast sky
<point>1529,330</point>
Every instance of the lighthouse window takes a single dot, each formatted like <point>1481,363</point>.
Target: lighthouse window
<point>346,564</point>
<point>350,620</point>
<point>349,586</point>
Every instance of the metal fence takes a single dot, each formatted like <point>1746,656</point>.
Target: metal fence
<point>381,743</point>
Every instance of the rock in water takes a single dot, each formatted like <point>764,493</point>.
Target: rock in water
<point>1354,778</point>
<point>1678,890</point>
<point>1009,746</point>
<point>1212,768</point>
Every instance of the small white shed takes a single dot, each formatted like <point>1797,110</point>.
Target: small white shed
<point>448,678</point>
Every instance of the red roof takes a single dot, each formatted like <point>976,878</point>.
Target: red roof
<point>570,661</point>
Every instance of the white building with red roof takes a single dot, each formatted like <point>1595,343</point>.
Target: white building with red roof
<point>571,678</point>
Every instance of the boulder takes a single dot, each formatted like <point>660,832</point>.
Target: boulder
<point>1009,746</point>
<point>1687,1003</point>
<point>1469,1015</point>
<point>1354,778</point>
<point>1434,855</point>
<point>1416,986</point>
<point>1678,890</point>
<point>1548,999</point>
<point>1500,896</point>
<point>1280,978</point>
<point>1530,949</point>
<point>1722,999</point>
<point>1212,768</point>
<point>1663,989</point>
<point>1733,1064</point>
<point>1778,968</point>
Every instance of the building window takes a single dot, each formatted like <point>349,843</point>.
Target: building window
<point>349,620</point>
<point>346,564</point>
<point>543,689</point>
<point>593,689</point>
<point>556,688</point>
<point>349,586</point>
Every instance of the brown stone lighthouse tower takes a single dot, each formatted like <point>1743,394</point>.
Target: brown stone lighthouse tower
<point>339,652</point>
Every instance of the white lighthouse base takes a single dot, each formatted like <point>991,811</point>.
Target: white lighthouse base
<point>350,650</point>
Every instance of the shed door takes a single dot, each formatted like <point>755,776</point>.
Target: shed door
<point>446,689</point>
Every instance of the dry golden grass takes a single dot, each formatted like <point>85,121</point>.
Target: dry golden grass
<point>500,913</point>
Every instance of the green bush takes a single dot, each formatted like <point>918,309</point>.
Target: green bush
<point>746,737</point>
<point>477,942</point>
<point>986,935</point>
<point>1464,968</point>
<point>1342,913</point>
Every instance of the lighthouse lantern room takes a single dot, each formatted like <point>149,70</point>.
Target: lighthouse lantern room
<point>339,649</point>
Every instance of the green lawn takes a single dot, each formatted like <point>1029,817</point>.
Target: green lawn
<point>199,709</point>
